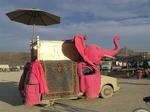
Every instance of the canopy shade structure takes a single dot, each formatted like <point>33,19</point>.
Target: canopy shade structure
<point>33,17</point>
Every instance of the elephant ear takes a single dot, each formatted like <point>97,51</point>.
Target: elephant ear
<point>80,45</point>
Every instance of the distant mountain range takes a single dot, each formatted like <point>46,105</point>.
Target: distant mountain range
<point>14,58</point>
<point>20,58</point>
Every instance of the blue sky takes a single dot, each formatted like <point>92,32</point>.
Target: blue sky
<point>100,20</point>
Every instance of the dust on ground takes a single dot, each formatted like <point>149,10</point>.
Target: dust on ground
<point>126,99</point>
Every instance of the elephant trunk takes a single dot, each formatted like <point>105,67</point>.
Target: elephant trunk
<point>114,51</point>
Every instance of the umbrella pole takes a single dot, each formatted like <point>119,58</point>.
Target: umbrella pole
<point>33,31</point>
<point>34,34</point>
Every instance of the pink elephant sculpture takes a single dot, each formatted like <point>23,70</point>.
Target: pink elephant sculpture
<point>88,69</point>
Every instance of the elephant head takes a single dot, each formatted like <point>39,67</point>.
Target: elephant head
<point>93,53</point>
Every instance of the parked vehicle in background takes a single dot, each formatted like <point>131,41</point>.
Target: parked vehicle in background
<point>4,68</point>
<point>14,69</point>
<point>106,66</point>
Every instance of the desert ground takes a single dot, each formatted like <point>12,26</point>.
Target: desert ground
<point>128,98</point>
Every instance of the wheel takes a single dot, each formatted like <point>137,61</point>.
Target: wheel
<point>140,110</point>
<point>106,91</point>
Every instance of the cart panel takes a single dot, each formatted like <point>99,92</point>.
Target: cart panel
<point>61,78</point>
<point>54,50</point>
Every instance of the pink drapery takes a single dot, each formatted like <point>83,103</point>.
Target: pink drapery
<point>88,84</point>
<point>36,84</point>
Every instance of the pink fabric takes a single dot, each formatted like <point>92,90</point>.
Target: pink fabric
<point>92,83</point>
<point>89,84</point>
<point>36,84</point>
<point>38,76</point>
<point>116,49</point>
<point>80,45</point>
<point>32,95</point>
<point>82,84</point>
<point>92,56</point>
<point>92,53</point>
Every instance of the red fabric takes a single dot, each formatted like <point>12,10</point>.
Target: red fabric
<point>36,84</point>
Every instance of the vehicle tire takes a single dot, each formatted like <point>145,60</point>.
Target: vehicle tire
<point>140,110</point>
<point>106,91</point>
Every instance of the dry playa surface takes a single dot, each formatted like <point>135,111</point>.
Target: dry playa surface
<point>128,98</point>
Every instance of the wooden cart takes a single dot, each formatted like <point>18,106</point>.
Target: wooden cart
<point>59,62</point>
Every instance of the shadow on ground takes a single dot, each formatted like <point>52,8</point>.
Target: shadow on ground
<point>60,107</point>
<point>9,93</point>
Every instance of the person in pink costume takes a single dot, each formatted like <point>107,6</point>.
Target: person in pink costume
<point>34,85</point>
<point>89,83</point>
